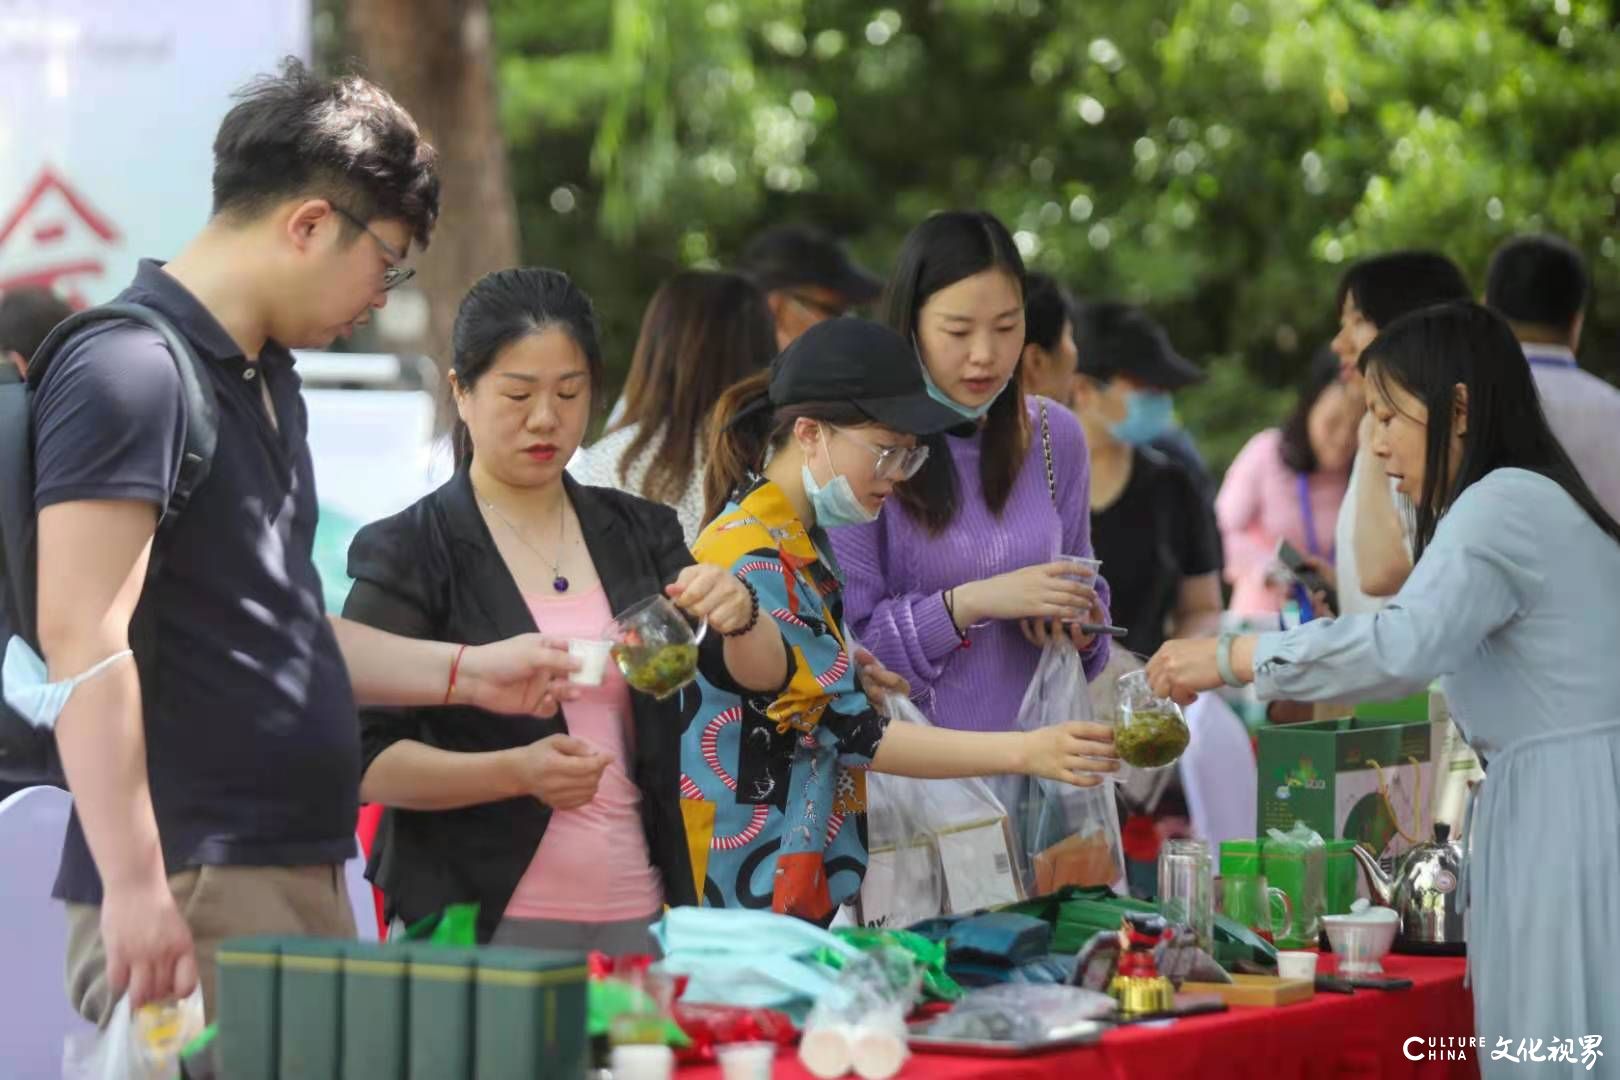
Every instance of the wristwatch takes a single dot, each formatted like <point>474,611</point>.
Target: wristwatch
<point>1223,659</point>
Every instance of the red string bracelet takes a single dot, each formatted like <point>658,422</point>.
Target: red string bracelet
<point>455,667</point>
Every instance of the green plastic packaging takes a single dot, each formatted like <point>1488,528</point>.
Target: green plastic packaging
<point>456,927</point>
<point>930,957</point>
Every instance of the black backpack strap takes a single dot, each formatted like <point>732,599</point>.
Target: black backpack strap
<point>16,507</point>
<point>202,418</point>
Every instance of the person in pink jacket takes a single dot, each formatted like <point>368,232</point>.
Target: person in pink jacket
<point>1287,484</point>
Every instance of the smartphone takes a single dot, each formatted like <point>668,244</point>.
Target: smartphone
<point>1105,631</point>
<point>1374,982</point>
<point>1289,556</point>
<point>1332,984</point>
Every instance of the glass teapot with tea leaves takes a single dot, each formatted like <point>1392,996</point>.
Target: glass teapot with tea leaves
<point>655,646</point>
<point>1150,731</point>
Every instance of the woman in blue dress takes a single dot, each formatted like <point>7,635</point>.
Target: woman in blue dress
<point>1514,603</point>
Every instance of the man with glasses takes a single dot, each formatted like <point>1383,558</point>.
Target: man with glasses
<point>396,273</point>
<point>216,776</point>
<point>807,278</point>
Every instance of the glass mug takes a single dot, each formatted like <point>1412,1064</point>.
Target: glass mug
<point>1247,899</point>
<point>1187,888</point>
<point>1149,731</point>
<point>655,646</point>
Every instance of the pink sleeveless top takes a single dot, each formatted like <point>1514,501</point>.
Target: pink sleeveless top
<point>592,864</point>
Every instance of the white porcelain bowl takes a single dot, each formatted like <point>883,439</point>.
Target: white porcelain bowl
<point>1361,941</point>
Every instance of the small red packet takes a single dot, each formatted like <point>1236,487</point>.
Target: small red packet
<point>709,1026</point>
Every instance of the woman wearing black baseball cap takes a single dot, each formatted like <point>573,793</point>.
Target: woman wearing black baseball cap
<point>772,789</point>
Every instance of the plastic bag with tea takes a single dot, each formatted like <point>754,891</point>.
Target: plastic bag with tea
<point>1070,835</point>
<point>934,846</point>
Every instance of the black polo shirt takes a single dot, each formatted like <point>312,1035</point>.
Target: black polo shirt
<point>252,739</point>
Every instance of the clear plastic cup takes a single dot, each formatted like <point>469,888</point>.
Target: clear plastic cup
<point>1092,565</point>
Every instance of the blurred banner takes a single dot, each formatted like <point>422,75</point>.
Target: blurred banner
<point>375,453</point>
<point>108,111</point>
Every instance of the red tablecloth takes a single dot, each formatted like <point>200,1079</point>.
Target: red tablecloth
<point>1332,1036</point>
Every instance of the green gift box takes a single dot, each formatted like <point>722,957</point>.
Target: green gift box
<point>375,1002</point>
<point>311,1009</point>
<point>531,1019</point>
<point>246,1012</point>
<point>440,1012</point>
<point>1326,773</point>
<point>1240,858</point>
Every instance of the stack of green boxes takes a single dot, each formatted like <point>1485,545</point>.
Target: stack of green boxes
<point>314,1009</point>
<point>1349,778</point>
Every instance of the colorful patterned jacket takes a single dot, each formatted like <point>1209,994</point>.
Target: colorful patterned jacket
<point>773,791</point>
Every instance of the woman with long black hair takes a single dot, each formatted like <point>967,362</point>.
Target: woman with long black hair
<point>960,590</point>
<point>1511,603</point>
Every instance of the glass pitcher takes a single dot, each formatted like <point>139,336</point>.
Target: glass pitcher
<point>1149,731</point>
<point>1186,892</point>
<point>655,646</point>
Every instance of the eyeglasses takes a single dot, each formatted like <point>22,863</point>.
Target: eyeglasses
<point>395,275</point>
<point>893,462</point>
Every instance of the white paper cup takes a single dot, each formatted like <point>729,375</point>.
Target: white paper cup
<point>643,1061</point>
<point>746,1061</point>
<point>592,655</point>
<point>1296,964</point>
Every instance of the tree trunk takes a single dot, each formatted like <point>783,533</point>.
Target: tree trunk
<point>436,58</point>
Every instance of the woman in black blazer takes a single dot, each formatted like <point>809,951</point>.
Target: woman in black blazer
<point>567,832</point>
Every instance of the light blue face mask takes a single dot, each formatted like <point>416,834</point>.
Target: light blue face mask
<point>835,504</point>
<point>1148,414</point>
<point>966,412</point>
<point>28,688</point>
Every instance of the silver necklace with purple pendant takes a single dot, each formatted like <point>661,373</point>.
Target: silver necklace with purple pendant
<point>558,582</point>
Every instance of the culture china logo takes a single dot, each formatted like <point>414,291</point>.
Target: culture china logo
<point>1583,1050</point>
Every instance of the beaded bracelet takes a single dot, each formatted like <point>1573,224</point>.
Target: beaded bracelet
<point>753,613</point>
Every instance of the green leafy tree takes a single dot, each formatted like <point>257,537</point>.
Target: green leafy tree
<point>1218,160</point>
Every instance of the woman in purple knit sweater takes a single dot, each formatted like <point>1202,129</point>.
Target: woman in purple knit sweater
<point>959,591</point>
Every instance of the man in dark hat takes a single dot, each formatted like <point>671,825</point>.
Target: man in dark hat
<point>807,277</point>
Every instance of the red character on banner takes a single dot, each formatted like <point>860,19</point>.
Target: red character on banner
<point>54,239</point>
